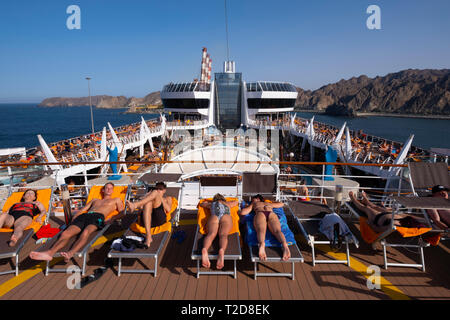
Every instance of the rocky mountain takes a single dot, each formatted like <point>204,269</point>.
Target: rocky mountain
<point>103,101</point>
<point>424,92</point>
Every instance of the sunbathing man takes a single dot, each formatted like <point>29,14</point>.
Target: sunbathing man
<point>86,223</point>
<point>156,206</point>
<point>219,222</point>
<point>21,214</point>
<point>441,218</point>
<point>266,218</point>
<point>379,217</point>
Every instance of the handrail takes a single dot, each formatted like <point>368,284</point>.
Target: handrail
<point>150,162</point>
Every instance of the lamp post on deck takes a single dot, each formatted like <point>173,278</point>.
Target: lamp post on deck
<point>90,103</point>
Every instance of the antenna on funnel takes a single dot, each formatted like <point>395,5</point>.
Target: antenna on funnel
<point>226,31</point>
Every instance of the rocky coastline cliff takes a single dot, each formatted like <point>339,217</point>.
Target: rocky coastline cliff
<point>415,92</point>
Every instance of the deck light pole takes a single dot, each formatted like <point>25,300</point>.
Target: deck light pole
<point>90,103</point>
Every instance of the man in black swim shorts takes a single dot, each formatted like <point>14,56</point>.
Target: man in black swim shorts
<point>84,223</point>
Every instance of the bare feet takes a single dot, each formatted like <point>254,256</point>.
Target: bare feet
<point>365,199</point>
<point>148,240</point>
<point>41,256</point>
<point>352,196</point>
<point>205,259</point>
<point>221,259</point>
<point>13,241</point>
<point>262,252</point>
<point>286,253</point>
<point>67,256</point>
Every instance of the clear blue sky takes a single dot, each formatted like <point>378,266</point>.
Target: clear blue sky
<point>134,47</point>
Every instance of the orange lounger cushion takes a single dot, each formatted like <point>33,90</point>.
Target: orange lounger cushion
<point>136,227</point>
<point>43,196</point>
<point>412,232</point>
<point>203,216</point>
<point>370,236</point>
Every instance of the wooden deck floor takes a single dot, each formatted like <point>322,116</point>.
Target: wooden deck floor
<point>176,279</point>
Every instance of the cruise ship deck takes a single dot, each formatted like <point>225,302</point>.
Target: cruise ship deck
<point>176,278</point>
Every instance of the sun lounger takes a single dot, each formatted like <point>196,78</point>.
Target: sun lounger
<point>422,177</point>
<point>308,215</point>
<point>267,185</point>
<point>274,251</point>
<point>45,197</point>
<point>121,192</point>
<point>233,251</point>
<point>408,235</point>
<point>160,236</point>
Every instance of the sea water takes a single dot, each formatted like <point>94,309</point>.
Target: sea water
<point>21,123</point>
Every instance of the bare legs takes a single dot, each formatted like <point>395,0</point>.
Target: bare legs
<point>70,232</point>
<point>369,211</point>
<point>7,221</point>
<point>19,226</point>
<point>214,227</point>
<point>79,243</point>
<point>147,213</point>
<point>274,226</point>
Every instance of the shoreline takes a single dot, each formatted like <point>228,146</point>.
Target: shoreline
<point>376,114</point>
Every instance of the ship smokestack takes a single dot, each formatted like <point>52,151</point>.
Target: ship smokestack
<point>203,66</point>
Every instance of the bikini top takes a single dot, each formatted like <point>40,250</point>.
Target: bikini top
<point>30,208</point>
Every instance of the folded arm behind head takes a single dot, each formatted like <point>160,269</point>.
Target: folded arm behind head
<point>246,210</point>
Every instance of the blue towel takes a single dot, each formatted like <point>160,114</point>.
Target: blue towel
<point>271,241</point>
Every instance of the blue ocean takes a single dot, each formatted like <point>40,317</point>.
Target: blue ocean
<point>21,123</point>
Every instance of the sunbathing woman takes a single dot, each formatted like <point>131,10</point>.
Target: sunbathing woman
<point>379,217</point>
<point>21,215</point>
<point>266,218</point>
<point>219,222</point>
